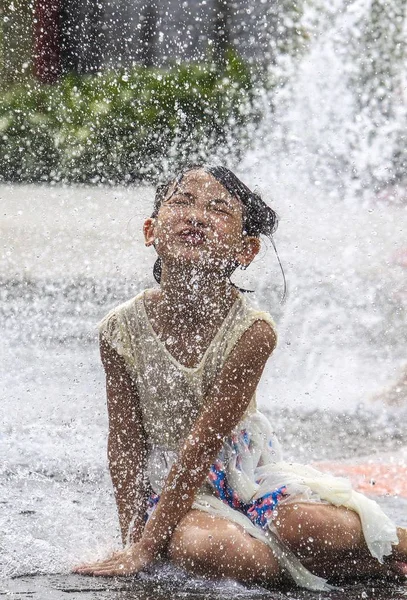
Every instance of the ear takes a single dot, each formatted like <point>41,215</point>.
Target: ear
<point>250,249</point>
<point>149,231</point>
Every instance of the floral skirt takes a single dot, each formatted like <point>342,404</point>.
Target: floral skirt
<point>260,511</point>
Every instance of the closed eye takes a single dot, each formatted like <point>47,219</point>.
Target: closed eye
<point>179,199</point>
<point>221,206</point>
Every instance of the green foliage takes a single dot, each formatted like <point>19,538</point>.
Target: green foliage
<point>122,126</point>
<point>16,28</point>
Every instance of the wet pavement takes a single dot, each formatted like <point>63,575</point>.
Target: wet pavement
<point>74,587</point>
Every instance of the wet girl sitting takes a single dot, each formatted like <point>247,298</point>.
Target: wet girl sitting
<point>198,476</point>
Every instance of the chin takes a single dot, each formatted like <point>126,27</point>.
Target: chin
<point>193,258</point>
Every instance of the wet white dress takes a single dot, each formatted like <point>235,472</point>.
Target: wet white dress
<point>250,478</point>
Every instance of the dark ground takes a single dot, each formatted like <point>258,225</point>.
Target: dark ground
<point>75,587</point>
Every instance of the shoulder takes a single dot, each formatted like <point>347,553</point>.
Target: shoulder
<point>118,312</point>
<point>258,340</point>
<point>115,335</point>
<point>246,359</point>
<point>257,321</point>
<point>251,336</point>
<point>261,331</point>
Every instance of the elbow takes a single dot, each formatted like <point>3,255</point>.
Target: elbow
<point>198,454</point>
<point>112,451</point>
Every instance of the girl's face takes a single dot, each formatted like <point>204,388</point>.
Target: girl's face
<point>200,223</point>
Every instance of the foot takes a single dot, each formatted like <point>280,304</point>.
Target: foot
<point>355,569</point>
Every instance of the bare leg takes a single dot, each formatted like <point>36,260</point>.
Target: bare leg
<point>215,547</point>
<point>329,539</point>
<point>355,568</point>
<point>400,551</point>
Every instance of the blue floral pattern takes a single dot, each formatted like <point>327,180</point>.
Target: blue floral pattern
<point>260,511</point>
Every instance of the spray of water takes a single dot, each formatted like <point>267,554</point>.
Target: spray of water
<point>326,155</point>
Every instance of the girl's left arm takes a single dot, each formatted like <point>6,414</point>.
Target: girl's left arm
<point>224,407</point>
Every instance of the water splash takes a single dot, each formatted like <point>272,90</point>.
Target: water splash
<point>327,154</point>
<point>342,331</point>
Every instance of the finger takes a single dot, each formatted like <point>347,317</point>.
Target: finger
<point>103,566</point>
<point>116,572</point>
<point>120,569</point>
<point>90,568</point>
<point>86,570</point>
<point>113,558</point>
<point>104,563</point>
<point>83,568</point>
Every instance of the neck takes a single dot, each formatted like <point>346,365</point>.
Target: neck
<point>194,291</point>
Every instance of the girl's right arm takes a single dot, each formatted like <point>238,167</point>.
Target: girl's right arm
<point>223,408</point>
<point>126,444</point>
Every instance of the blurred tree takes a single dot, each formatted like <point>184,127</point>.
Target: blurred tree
<point>47,40</point>
<point>221,31</point>
<point>82,36</point>
<point>15,39</point>
<point>148,34</point>
<point>68,37</point>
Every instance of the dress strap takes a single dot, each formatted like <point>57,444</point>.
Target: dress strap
<point>115,330</point>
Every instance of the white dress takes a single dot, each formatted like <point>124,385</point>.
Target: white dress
<point>250,478</point>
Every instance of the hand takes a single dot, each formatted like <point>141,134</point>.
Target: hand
<point>124,563</point>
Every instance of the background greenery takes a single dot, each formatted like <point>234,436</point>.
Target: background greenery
<point>116,127</point>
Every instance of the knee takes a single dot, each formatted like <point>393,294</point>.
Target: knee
<point>191,546</point>
<point>222,551</point>
<point>203,550</point>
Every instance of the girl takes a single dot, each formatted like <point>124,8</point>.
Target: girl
<point>197,475</point>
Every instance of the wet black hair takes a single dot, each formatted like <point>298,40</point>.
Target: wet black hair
<point>258,217</point>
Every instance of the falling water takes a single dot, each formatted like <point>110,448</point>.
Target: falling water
<point>326,160</point>
<point>71,254</point>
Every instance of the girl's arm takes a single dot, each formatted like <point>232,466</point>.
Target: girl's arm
<point>126,443</point>
<point>223,409</point>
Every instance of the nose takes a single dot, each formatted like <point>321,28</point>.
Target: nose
<point>196,217</point>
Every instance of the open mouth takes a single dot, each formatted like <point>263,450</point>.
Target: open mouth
<point>194,237</point>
